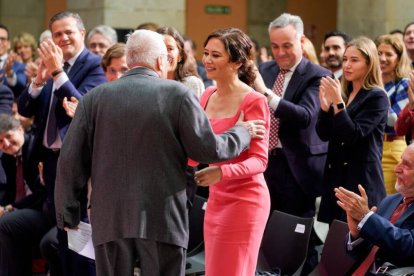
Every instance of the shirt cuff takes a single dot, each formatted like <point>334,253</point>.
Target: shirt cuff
<point>351,244</point>
<point>12,80</point>
<point>60,80</point>
<point>274,102</point>
<point>364,219</point>
<point>35,92</point>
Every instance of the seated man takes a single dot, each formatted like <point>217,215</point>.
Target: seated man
<point>386,235</point>
<point>22,175</point>
<point>24,213</point>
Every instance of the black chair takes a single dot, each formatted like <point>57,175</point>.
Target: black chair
<point>285,244</point>
<point>195,250</point>
<point>334,260</point>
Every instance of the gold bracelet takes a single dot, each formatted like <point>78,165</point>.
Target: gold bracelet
<point>38,84</point>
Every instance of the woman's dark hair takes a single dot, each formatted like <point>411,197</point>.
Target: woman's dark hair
<point>186,66</point>
<point>239,46</point>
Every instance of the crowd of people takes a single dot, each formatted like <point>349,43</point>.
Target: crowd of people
<point>120,135</point>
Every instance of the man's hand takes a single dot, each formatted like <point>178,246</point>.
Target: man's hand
<point>354,205</point>
<point>256,128</point>
<point>208,176</point>
<point>51,55</point>
<point>70,106</point>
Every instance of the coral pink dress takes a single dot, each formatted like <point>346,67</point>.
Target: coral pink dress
<point>238,206</point>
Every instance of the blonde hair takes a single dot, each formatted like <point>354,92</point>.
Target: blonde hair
<point>309,51</point>
<point>25,39</point>
<point>403,68</point>
<point>372,78</point>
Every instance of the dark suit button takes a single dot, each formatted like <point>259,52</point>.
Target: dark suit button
<point>329,166</point>
<point>342,143</point>
<point>345,163</point>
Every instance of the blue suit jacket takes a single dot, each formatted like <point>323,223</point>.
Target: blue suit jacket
<point>19,70</point>
<point>297,111</point>
<point>396,241</point>
<point>85,74</point>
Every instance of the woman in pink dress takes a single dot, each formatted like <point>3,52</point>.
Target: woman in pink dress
<point>239,204</point>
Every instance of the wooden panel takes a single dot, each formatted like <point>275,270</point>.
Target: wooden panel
<point>319,17</point>
<point>52,7</point>
<point>199,23</point>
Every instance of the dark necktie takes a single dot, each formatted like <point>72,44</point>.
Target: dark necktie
<point>369,260</point>
<point>20,190</point>
<point>52,129</point>
<point>274,122</point>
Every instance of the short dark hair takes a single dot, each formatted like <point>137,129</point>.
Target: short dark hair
<point>347,38</point>
<point>7,123</point>
<point>6,29</point>
<point>64,14</point>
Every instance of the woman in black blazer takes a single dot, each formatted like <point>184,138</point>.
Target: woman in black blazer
<point>352,118</point>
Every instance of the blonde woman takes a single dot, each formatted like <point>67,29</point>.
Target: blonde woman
<point>352,118</point>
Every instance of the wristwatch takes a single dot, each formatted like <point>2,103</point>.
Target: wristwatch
<point>340,105</point>
<point>267,92</point>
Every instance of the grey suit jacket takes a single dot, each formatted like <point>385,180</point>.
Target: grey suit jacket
<point>133,137</point>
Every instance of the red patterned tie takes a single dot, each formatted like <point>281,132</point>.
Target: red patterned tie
<point>369,260</point>
<point>20,190</point>
<point>274,122</point>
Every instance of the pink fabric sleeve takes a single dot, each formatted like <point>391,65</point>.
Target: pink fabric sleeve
<point>256,161</point>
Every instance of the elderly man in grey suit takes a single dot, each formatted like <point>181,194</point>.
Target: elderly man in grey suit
<point>133,138</point>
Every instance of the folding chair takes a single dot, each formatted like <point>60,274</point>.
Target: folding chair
<point>285,243</point>
<point>334,259</point>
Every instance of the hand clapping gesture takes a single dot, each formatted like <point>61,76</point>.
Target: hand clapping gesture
<point>329,92</point>
<point>51,55</point>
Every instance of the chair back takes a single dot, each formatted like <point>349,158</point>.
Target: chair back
<point>285,243</point>
<point>334,259</point>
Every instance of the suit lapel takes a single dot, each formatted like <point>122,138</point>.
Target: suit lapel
<point>80,61</point>
<point>295,81</point>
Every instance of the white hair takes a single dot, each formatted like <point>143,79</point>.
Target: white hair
<point>288,19</point>
<point>107,31</point>
<point>143,47</point>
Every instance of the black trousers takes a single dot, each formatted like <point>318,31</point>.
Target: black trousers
<point>286,195</point>
<point>156,259</point>
<point>20,232</point>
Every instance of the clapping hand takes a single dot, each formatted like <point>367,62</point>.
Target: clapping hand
<point>70,106</point>
<point>329,92</point>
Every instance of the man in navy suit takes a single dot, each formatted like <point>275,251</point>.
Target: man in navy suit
<point>296,163</point>
<point>297,160</point>
<point>67,70</point>
<point>11,72</point>
<point>394,235</point>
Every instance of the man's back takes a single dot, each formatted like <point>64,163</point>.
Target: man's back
<point>140,131</point>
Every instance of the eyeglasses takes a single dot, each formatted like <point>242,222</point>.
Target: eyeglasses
<point>98,45</point>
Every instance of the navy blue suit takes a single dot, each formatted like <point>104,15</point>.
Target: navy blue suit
<point>395,241</point>
<point>294,179</point>
<point>85,74</point>
<point>19,69</point>
<point>355,138</point>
